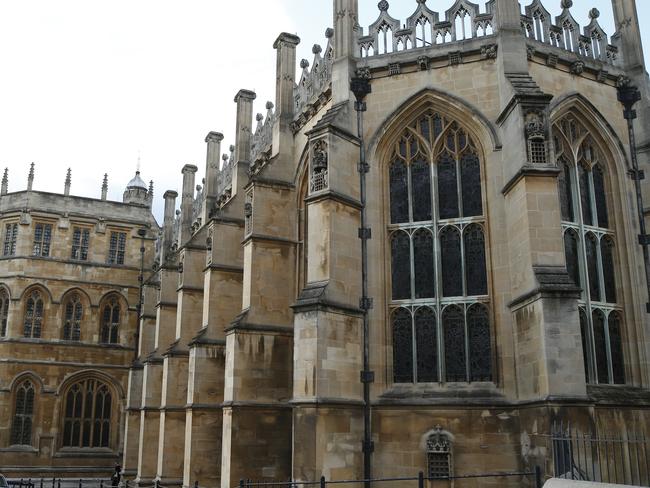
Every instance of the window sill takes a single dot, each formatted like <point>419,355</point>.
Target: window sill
<point>619,394</point>
<point>86,452</point>
<point>22,449</point>
<point>448,393</point>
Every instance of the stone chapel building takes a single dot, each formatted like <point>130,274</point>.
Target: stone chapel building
<point>69,295</point>
<point>482,228</point>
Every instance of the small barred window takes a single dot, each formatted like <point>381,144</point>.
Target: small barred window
<point>439,455</point>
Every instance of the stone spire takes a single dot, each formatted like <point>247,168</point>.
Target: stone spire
<point>5,182</point>
<point>68,182</point>
<point>30,177</point>
<point>105,187</point>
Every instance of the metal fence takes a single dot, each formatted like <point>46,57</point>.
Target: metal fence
<point>605,459</point>
<point>60,483</point>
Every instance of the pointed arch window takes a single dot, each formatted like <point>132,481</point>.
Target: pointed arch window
<point>33,319</point>
<point>110,325</point>
<point>590,248</point>
<point>23,420</point>
<point>4,311</point>
<point>88,409</point>
<point>439,279</point>
<point>73,313</point>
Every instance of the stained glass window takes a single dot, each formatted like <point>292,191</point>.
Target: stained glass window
<point>21,428</point>
<point>87,420</point>
<point>110,325</point>
<point>590,251</point>
<point>33,319</point>
<point>402,346</point>
<point>438,255</point>
<point>73,310</point>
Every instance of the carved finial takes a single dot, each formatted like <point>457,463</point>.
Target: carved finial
<point>269,105</point>
<point>224,158</point>
<point>304,64</point>
<point>68,182</point>
<point>30,177</point>
<point>567,3</point>
<point>594,13</point>
<point>151,189</point>
<point>422,1</point>
<point>105,187</point>
<point>5,182</point>
<point>329,33</point>
<point>383,5</point>
<point>316,49</point>
<point>259,118</point>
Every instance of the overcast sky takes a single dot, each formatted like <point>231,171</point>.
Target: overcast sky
<point>90,84</point>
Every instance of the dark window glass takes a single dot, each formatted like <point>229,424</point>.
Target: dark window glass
<point>11,237</point>
<point>4,312</point>
<point>475,266</point>
<point>585,343</point>
<point>601,198</point>
<point>592,267</point>
<point>470,172</point>
<point>42,240</point>
<point>423,260</point>
<point>447,187</point>
<point>452,276</point>
<point>454,329</point>
<point>480,346</point>
<point>402,346</point>
<point>425,128</point>
<point>427,345</point>
<point>117,248</point>
<point>21,429</point>
<point>80,242</point>
<point>437,126</point>
<point>616,346</point>
<point>401,266</point>
<point>571,253</point>
<point>72,319</point>
<point>110,322</point>
<point>33,319</point>
<point>421,189</point>
<point>585,195</point>
<point>566,193</point>
<point>600,343</point>
<point>399,203</point>
<point>607,253</point>
<point>87,419</point>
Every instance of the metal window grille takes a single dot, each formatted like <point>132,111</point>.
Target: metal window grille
<point>80,244</point>
<point>438,465</point>
<point>394,69</point>
<point>11,236</point>
<point>319,181</point>
<point>537,150</point>
<point>42,240</point>
<point>117,248</point>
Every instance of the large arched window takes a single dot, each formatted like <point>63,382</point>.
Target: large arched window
<point>72,315</point>
<point>4,311</point>
<point>23,420</point>
<point>439,282</point>
<point>87,415</point>
<point>33,319</point>
<point>110,321</point>
<point>589,245</point>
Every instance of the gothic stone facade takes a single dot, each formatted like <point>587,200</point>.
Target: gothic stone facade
<point>69,289</point>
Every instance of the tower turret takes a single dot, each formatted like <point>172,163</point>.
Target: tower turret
<point>136,191</point>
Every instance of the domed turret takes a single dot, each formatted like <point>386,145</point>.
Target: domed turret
<point>136,191</point>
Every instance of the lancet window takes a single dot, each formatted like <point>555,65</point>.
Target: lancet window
<point>87,421</point>
<point>73,313</point>
<point>4,311</point>
<point>590,249</point>
<point>110,326</point>
<point>23,420</point>
<point>440,314</point>
<point>33,319</point>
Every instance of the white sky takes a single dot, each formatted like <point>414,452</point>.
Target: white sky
<point>89,84</point>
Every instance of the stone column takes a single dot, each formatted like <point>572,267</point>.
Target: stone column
<point>168,224</point>
<point>213,141</point>
<point>243,132</point>
<point>132,422</point>
<point>187,201</point>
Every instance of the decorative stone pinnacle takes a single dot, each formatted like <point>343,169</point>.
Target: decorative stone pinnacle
<point>316,49</point>
<point>151,188</point>
<point>5,182</point>
<point>422,1</point>
<point>225,157</point>
<point>232,148</point>
<point>594,13</point>
<point>383,5</point>
<point>259,118</point>
<point>269,105</point>
<point>329,33</point>
<point>304,64</point>
<point>567,3</point>
<point>68,181</point>
<point>30,177</point>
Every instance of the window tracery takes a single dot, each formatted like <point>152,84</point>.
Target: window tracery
<point>33,319</point>
<point>87,421</point>
<point>589,245</point>
<point>110,325</point>
<point>439,285</point>
<point>73,313</point>
<point>21,429</point>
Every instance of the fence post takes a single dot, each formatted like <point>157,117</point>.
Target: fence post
<point>21,483</point>
<point>420,479</point>
<point>322,482</point>
<point>538,477</point>
<point>59,483</point>
<point>41,482</point>
<point>80,483</point>
<point>101,483</point>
